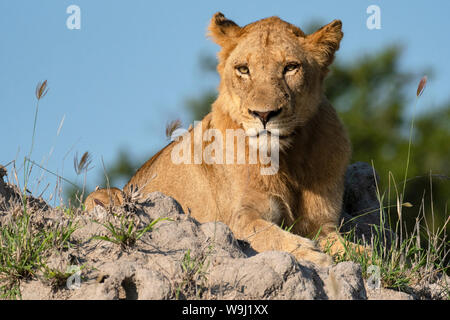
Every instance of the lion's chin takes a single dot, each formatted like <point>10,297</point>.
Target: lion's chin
<point>280,134</point>
<point>282,139</point>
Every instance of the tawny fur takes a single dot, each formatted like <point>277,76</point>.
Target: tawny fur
<point>307,190</point>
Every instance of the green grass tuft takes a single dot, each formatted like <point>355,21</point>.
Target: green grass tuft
<point>127,232</point>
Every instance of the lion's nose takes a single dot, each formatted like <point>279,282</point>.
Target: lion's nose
<point>264,116</point>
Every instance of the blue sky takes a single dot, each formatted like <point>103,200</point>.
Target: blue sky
<point>118,80</point>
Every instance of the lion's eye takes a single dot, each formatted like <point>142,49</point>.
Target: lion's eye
<point>243,69</point>
<point>291,67</point>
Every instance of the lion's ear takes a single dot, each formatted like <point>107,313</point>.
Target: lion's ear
<point>325,42</point>
<point>222,30</point>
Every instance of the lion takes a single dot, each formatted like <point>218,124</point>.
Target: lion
<point>271,84</point>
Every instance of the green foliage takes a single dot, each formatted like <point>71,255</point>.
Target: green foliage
<point>23,250</point>
<point>193,282</point>
<point>57,278</point>
<point>201,106</point>
<point>405,261</point>
<point>127,232</point>
<point>288,228</point>
<point>122,168</point>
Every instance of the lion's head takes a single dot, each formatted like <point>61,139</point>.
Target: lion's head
<point>272,72</point>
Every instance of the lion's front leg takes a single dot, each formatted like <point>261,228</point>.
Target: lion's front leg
<point>266,236</point>
<point>321,212</point>
<point>334,244</point>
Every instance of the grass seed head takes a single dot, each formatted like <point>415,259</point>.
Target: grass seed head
<point>41,90</point>
<point>83,164</point>
<point>421,86</point>
<point>171,127</point>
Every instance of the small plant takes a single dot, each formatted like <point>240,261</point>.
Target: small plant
<point>21,249</point>
<point>61,235</point>
<point>41,91</point>
<point>127,232</point>
<point>24,249</point>
<point>82,166</point>
<point>288,228</point>
<point>194,275</point>
<point>402,264</point>
<point>172,127</point>
<point>57,278</point>
<point>10,290</point>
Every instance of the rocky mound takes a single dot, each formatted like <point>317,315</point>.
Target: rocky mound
<point>180,258</point>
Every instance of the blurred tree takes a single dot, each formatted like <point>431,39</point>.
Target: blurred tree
<point>369,94</point>
<point>199,106</point>
<point>120,171</point>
